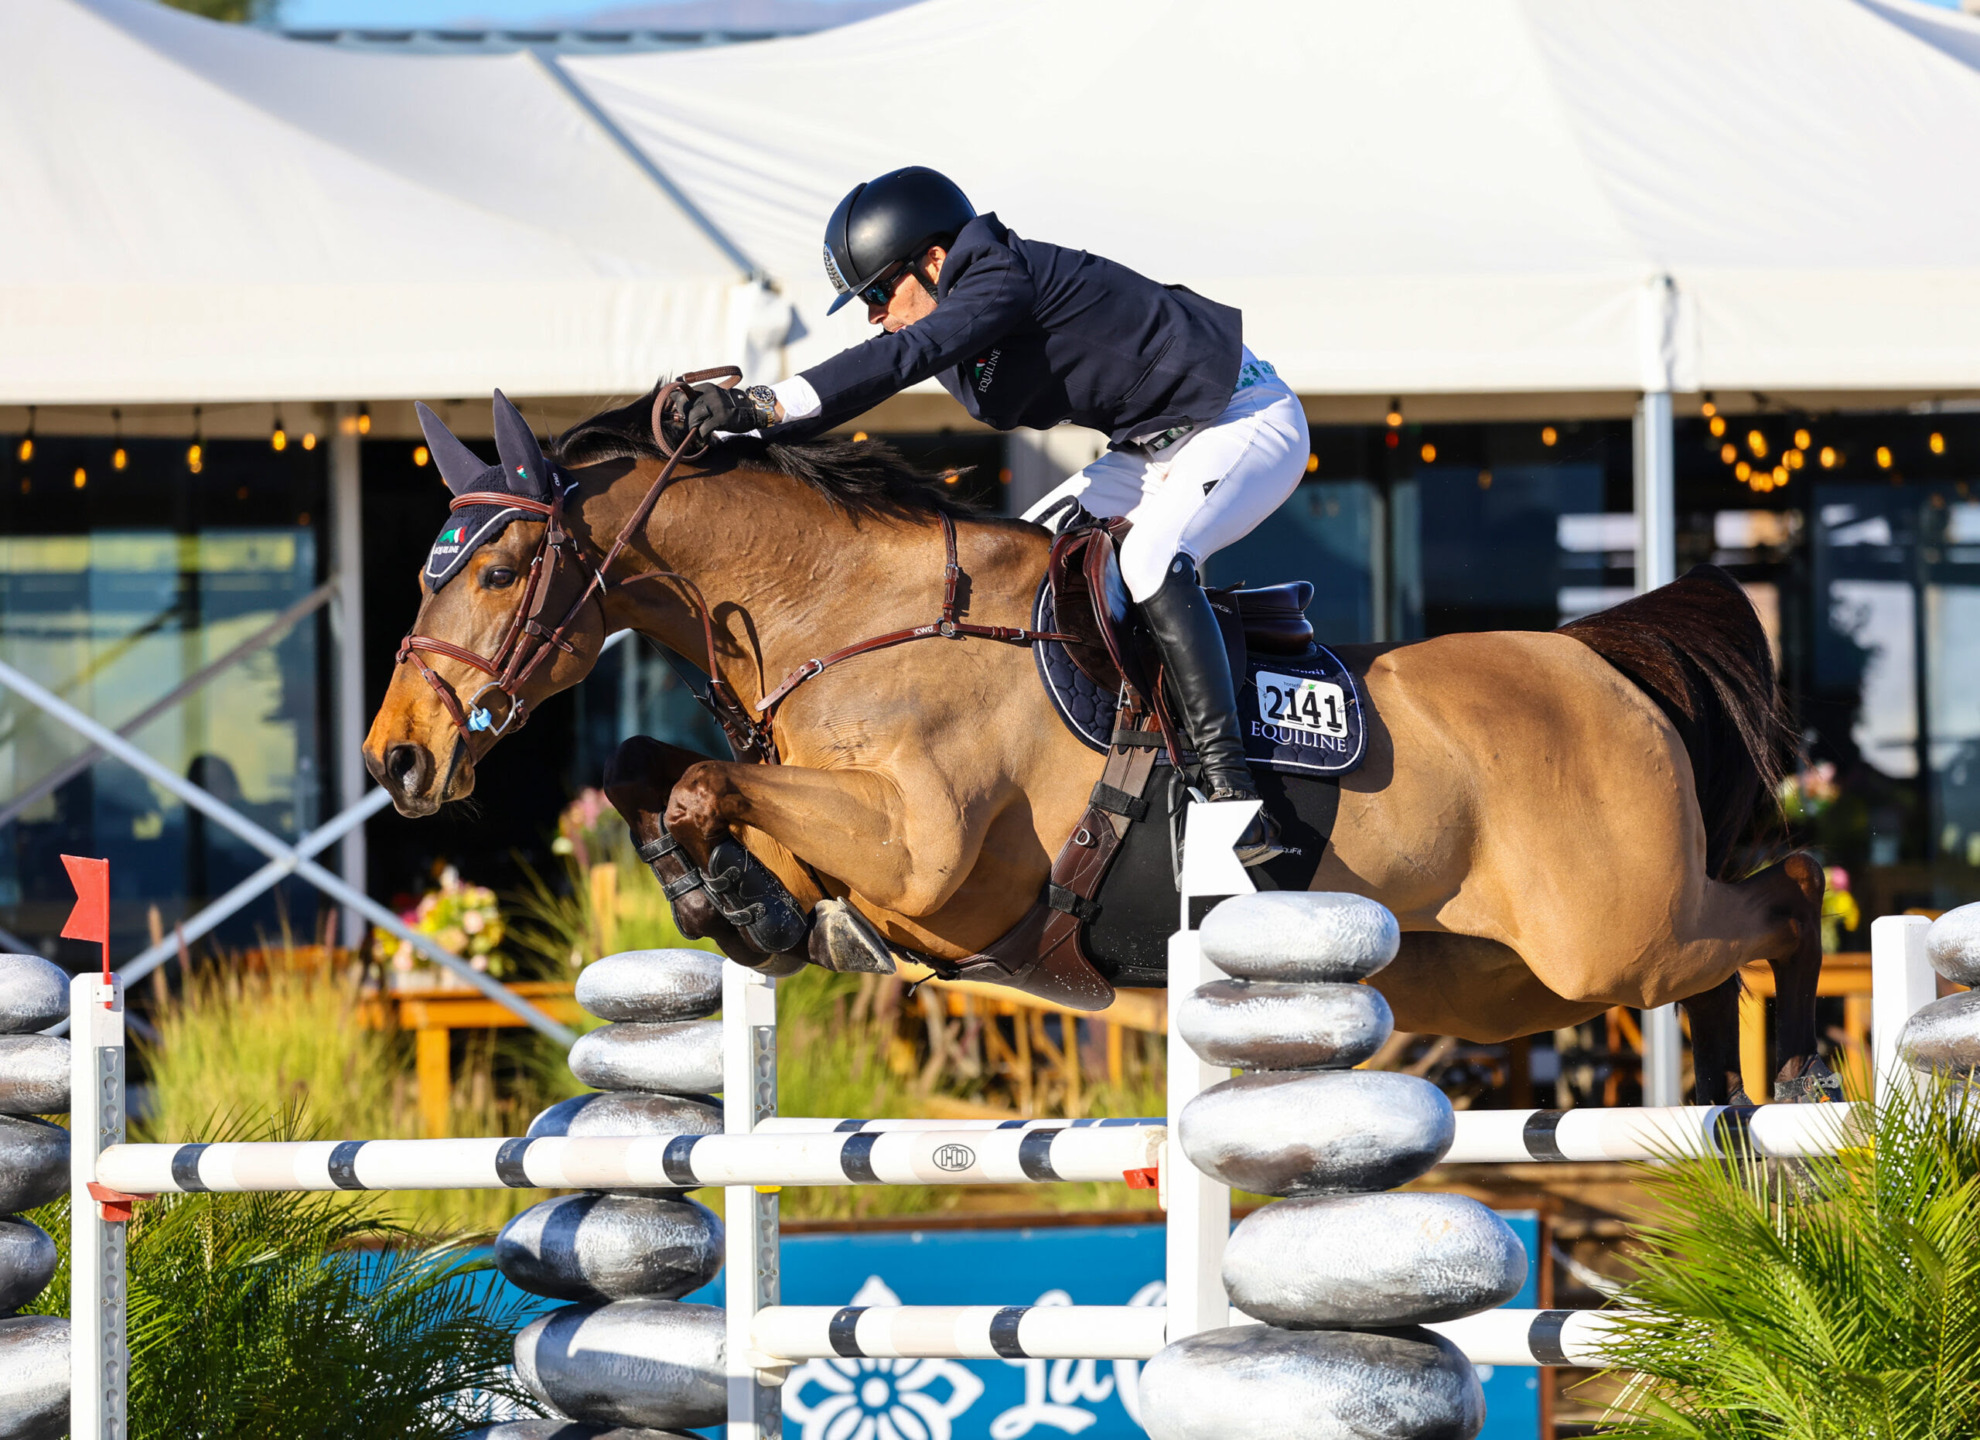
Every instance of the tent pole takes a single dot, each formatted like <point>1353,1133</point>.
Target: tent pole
<point>347,721</point>
<point>1656,564</point>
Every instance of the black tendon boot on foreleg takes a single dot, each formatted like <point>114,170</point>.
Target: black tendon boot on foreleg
<point>754,900</point>
<point>1199,677</point>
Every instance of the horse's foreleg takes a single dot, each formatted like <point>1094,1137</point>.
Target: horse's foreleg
<point>1798,884</point>
<point>1715,1045</point>
<point>638,780</point>
<point>853,825</point>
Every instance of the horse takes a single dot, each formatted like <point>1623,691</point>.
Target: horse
<point>1554,817</point>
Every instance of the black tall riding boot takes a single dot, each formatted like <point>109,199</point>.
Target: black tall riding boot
<point>1199,676</point>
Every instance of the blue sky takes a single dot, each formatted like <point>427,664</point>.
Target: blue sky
<point>418,13</point>
<point>425,13</point>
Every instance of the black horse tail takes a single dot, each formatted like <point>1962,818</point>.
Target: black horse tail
<point>1697,648</point>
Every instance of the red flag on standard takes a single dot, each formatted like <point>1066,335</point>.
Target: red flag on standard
<point>90,920</point>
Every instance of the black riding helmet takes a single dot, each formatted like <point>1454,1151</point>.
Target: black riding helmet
<point>881,226</point>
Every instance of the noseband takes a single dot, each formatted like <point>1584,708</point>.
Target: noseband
<point>526,641</point>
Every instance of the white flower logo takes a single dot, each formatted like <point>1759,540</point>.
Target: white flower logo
<point>879,1399</point>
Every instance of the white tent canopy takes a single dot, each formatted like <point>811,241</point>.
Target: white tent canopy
<point>200,211</point>
<point>1417,195</point>
<point>1405,197</point>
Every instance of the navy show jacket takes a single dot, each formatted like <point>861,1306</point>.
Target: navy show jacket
<point>1030,334</point>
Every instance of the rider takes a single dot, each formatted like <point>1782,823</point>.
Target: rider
<point>1205,440</point>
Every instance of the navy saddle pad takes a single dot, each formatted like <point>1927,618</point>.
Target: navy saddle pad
<point>1300,714</point>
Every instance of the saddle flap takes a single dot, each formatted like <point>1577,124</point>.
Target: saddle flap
<point>1077,555</point>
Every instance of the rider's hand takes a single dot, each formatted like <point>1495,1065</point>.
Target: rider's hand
<point>716,409</point>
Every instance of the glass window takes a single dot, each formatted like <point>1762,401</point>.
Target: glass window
<point>113,614</point>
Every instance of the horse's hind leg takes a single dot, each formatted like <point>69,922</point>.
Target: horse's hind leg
<point>1803,1074</point>
<point>1785,902</point>
<point>1715,1045</point>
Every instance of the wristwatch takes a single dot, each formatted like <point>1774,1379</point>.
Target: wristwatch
<point>765,401</point>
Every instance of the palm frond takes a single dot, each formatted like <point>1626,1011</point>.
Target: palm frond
<point>1832,1299</point>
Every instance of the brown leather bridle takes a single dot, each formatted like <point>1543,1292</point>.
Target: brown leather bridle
<point>515,660</point>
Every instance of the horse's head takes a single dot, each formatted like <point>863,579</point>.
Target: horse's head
<point>510,616</point>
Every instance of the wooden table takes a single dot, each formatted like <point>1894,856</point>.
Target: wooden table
<point>433,1016</point>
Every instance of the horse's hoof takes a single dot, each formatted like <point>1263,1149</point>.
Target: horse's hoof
<point>1807,1080</point>
<point>844,940</point>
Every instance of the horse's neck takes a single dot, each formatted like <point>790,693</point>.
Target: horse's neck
<point>790,576</point>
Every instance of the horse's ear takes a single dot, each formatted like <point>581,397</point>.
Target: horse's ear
<point>459,466</point>
<point>523,468</point>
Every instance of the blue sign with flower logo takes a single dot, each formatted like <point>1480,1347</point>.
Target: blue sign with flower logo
<point>844,1399</point>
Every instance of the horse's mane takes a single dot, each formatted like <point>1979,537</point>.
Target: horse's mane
<point>863,478</point>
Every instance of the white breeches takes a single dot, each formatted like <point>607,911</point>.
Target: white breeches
<point>1209,489</point>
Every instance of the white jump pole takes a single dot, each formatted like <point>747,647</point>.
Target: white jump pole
<point>1519,1137</point>
<point>1901,983</point>
<point>99,1347</point>
<point>961,1332</point>
<point>792,1334</point>
<point>749,1097</point>
<point>1199,1208</point>
<point>644,1162</point>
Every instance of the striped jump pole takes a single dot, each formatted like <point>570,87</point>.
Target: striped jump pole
<point>652,1162</point>
<point>791,1334</point>
<point>1514,1137</point>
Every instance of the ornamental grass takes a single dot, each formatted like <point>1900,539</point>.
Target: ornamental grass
<point>1832,1299</point>
<point>302,1317</point>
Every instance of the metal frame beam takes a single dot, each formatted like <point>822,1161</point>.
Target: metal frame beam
<point>289,857</point>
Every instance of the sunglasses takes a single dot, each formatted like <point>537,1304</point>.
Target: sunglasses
<point>882,289</point>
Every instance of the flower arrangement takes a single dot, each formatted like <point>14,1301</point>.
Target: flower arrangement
<point>460,917</point>
<point>1840,911</point>
<point>588,830</point>
<point>1810,791</point>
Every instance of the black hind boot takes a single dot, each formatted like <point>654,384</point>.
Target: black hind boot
<point>1199,677</point>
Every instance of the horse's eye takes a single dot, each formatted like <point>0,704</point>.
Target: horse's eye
<point>497,577</point>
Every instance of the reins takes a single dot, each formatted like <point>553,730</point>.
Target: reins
<point>513,663</point>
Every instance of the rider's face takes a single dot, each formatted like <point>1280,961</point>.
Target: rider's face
<point>910,301</point>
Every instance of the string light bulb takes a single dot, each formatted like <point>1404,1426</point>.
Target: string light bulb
<point>24,452</point>
<point>1312,463</point>
<point>1728,453</point>
<point>1708,409</point>
<point>1883,457</point>
<point>1792,459</point>
<point>196,452</point>
<point>80,478</point>
<point>420,455</point>
<point>118,459</point>
<point>1429,452</point>
<point>1802,439</point>
<point>1394,418</point>
<point>1780,474</point>
<point>1829,458</point>
<point>1744,471</point>
<point>1717,426</point>
<point>1757,443</point>
<point>1548,435</point>
<point>1938,443</point>
<point>364,420</point>
<point>309,440</point>
<point>278,438</point>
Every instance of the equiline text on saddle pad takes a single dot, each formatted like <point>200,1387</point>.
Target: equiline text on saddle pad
<point>1300,714</point>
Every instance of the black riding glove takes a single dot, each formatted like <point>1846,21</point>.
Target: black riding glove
<point>716,409</point>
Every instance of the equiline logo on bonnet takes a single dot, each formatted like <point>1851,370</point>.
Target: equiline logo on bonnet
<point>521,471</point>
